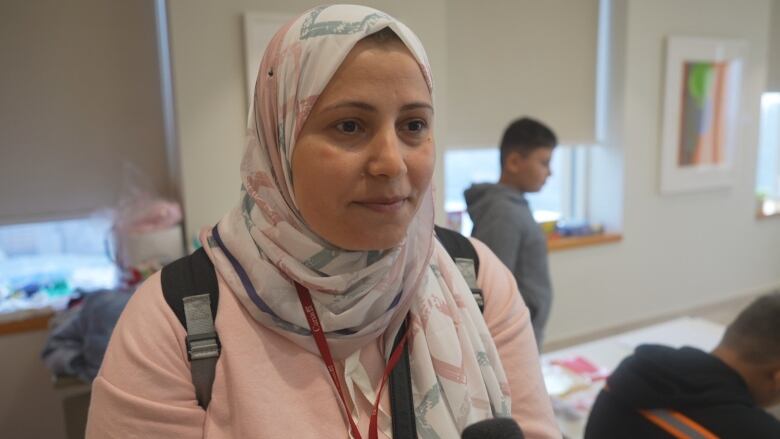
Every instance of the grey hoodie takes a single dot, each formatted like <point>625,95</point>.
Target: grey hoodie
<point>504,222</point>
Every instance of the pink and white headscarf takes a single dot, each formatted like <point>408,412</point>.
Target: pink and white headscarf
<point>263,244</point>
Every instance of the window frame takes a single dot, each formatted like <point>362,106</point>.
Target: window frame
<point>574,183</point>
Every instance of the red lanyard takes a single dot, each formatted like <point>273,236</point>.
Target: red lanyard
<point>322,345</point>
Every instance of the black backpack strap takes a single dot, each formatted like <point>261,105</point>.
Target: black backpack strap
<point>462,251</point>
<point>401,401</point>
<point>191,275</point>
<point>457,245</point>
<point>190,288</point>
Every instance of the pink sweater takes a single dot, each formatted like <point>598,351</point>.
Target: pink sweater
<point>267,387</point>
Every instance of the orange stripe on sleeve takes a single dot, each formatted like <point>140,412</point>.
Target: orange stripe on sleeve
<point>706,434</point>
<point>669,428</point>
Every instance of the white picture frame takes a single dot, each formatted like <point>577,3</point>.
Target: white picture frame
<point>703,85</point>
<point>259,28</point>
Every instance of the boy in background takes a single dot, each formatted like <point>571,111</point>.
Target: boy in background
<point>504,221</point>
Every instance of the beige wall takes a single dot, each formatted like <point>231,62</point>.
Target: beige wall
<point>774,47</point>
<point>510,58</point>
<point>30,407</point>
<point>682,250</point>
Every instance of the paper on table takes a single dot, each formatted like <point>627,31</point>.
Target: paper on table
<point>685,331</point>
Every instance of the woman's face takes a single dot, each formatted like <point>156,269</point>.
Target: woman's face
<point>364,157</point>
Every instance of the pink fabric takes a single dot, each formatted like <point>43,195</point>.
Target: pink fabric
<point>268,387</point>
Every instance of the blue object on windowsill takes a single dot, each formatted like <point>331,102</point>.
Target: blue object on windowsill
<point>576,228</point>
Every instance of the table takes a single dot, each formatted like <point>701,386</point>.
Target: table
<point>573,394</point>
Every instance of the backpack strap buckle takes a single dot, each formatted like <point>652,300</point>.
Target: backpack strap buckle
<point>479,298</point>
<point>202,340</point>
<point>467,268</point>
<point>202,346</point>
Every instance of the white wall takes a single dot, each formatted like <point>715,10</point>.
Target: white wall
<point>683,250</point>
<point>511,58</point>
<point>30,407</point>
<point>678,251</point>
<point>774,47</point>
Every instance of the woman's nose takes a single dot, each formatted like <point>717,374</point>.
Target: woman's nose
<point>387,157</point>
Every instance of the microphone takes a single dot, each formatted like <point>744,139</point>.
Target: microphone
<point>496,428</point>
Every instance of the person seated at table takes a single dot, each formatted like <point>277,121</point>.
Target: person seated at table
<point>661,392</point>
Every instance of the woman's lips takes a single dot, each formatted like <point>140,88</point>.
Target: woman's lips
<point>383,205</point>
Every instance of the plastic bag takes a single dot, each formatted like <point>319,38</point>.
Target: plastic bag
<point>147,230</point>
<point>140,208</point>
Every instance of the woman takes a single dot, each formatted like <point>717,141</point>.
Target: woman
<point>336,208</point>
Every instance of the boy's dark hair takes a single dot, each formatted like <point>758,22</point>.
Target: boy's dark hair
<point>755,333</point>
<point>524,135</point>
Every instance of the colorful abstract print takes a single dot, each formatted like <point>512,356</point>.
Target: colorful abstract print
<point>703,101</point>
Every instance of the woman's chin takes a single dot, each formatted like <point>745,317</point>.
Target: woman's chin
<point>373,240</point>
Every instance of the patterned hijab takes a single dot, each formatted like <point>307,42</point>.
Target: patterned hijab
<point>264,244</point>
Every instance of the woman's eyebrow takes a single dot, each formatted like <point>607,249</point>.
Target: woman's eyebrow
<point>416,105</point>
<point>350,104</point>
<point>368,107</point>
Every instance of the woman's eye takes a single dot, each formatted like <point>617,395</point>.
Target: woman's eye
<point>348,127</point>
<point>416,126</point>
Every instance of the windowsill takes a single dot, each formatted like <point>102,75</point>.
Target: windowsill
<point>558,244</point>
<point>762,215</point>
<point>37,322</point>
<point>40,322</point>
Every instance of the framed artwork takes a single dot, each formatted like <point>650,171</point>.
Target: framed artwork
<point>700,113</point>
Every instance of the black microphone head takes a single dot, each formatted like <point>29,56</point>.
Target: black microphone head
<point>496,428</point>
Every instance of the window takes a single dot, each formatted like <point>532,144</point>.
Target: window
<point>562,197</point>
<point>42,264</point>
<point>768,169</point>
